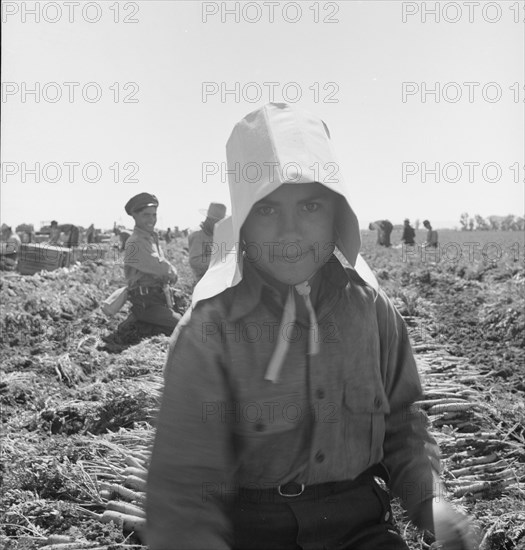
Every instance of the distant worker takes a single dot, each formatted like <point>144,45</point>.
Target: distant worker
<point>168,236</point>
<point>200,242</point>
<point>147,271</point>
<point>90,234</point>
<point>72,231</point>
<point>384,229</point>
<point>54,233</point>
<point>432,236</point>
<point>9,249</point>
<point>123,235</point>
<point>409,233</point>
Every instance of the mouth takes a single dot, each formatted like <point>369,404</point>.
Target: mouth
<point>292,258</point>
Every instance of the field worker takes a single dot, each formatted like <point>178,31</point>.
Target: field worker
<point>200,241</point>
<point>409,234</point>
<point>123,236</point>
<point>54,233</point>
<point>9,249</point>
<point>289,385</point>
<point>90,234</point>
<point>147,271</point>
<point>72,232</point>
<point>432,235</point>
<point>384,229</point>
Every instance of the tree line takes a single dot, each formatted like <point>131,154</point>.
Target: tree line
<point>495,223</point>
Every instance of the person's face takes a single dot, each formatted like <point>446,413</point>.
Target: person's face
<point>289,234</point>
<point>146,219</point>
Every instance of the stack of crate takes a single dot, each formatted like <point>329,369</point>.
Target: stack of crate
<point>34,257</point>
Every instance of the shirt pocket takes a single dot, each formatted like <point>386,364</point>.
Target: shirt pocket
<point>365,409</point>
<point>269,416</point>
<point>269,439</point>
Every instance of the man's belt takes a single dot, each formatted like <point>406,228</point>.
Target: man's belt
<point>144,290</point>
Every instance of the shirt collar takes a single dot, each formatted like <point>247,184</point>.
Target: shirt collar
<point>254,287</point>
<point>143,233</point>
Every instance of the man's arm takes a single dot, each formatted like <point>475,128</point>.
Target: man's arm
<point>140,254</point>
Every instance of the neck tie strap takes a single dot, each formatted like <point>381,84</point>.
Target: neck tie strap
<point>279,353</point>
<point>289,315</point>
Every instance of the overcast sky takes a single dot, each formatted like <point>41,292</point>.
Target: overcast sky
<point>102,100</point>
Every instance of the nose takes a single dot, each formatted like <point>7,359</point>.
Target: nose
<point>289,230</point>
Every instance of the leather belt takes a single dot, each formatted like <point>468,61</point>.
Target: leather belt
<point>145,290</point>
<point>293,489</point>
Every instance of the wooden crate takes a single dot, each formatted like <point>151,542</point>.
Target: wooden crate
<point>89,252</point>
<point>36,257</point>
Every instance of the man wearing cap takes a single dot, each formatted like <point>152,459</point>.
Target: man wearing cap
<point>146,269</point>
<point>200,242</point>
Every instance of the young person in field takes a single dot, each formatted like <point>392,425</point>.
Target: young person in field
<point>290,384</point>
<point>147,271</point>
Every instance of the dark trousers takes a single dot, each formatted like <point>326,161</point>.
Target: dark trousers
<point>339,516</point>
<point>152,308</point>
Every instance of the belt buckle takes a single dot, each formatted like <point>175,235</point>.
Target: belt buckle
<point>143,290</point>
<point>291,495</point>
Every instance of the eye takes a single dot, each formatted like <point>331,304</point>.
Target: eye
<point>265,210</point>
<point>311,206</point>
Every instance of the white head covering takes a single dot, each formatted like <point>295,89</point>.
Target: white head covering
<point>273,145</point>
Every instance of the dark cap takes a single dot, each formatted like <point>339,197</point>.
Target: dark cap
<point>142,200</point>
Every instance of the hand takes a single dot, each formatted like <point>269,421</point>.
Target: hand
<point>453,530</point>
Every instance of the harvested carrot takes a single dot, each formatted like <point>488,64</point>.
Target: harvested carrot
<point>451,407</point>
<point>134,462</point>
<point>135,482</point>
<point>124,492</point>
<point>129,523</point>
<point>139,472</point>
<point>126,508</point>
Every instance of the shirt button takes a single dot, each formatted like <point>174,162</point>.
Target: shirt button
<point>319,393</point>
<point>378,402</point>
<point>260,427</point>
<point>319,456</point>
